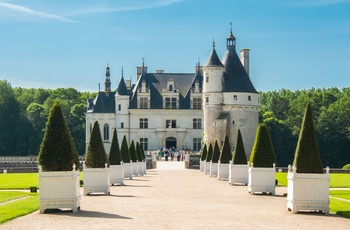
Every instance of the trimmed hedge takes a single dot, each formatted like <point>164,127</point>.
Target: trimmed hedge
<point>142,153</point>
<point>225,155</point>
<point>124,150</point>
<point>347,166</point>
<point>96,156</point>
<point>57,149</point>
<point>132,151</point>
<point>138,152</point>
<point>115,157</point>
<point>216,154</point>
<point>238,156</point>
<point>210,153</point>
<point>307,157</point>
<point>263,154</point>
<point>204,153</point>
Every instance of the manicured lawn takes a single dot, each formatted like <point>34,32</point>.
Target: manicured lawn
<point>338,180</point>
<point>18,208</point>
<point>6,196</point>
<point>344,194</point>
<point>340,207</point>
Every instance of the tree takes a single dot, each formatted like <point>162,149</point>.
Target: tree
<point>307,158</point>
<point>76,124</point>
<point>210,153</point>
<point>238,156</point>
<point>96,156</point>
<point>115,157</point>
<point>132,151</point>
<point>226,155</point>
<point>57,150</point>
<point>204,153</point>
<point>138,152</point>
<point>125,151</point>
<point>263,154</point>
<point>216,153</point>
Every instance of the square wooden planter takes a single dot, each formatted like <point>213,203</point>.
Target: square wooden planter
<point>238,174</point>
<point>262,180</point>
<point>59,189</point>
<point>207,167</point>
<point>135,171</point>
<point>308,191</point>
<point>223,171</point>
<point>140,168</point>
<point>213,169</point>
<point>117,174</point>
<point>96,180</point>
<point>127,170</point>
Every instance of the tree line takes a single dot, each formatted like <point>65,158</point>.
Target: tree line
<point>24,112</point>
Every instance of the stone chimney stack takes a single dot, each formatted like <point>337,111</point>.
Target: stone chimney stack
<point>245,59</point>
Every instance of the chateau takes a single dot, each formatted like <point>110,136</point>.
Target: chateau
<point>180,109</point>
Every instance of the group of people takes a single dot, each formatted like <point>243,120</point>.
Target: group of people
<point>171,152</point>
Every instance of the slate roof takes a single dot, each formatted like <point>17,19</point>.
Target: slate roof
<point>103,103</point>
<point>121,89</point>
<point>213,59</point>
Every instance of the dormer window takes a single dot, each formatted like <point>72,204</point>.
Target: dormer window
<point>170,87</point>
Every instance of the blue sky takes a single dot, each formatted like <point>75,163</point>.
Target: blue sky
<point>295,44</point>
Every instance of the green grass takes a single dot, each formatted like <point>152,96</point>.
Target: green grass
<point>344,194</point>
<point>340,207</point>
<point>6,196</point>
<point>338,180</point>
<point>18,208</point>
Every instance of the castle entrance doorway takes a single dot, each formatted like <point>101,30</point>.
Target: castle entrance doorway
<point>170,142</point>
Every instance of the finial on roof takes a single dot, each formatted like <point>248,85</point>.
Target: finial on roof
<point>231,27</point>
<point>122,72</point>
<point>99,87</point>
<point>213,42</point>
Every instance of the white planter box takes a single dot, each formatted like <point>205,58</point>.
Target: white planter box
<point>262,180</point>
<point>201,166</point>
<point>140,168</point>
<point>144,167</point>
<point>213,169</point>
<point>308,191</point>
<point>207,167</point>
<point>117,174</point>
<point>135,171</point>
<point>127,170</point>
<point>96,180</point>
<point>238,174</point>
<point>223,171</point>
<point>59,189</point>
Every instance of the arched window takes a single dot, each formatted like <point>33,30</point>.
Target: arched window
<point>106,132</point>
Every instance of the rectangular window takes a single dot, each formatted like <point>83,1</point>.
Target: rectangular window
<point>143,103</point>
<point>249,98</point>
<point>197,123</point>
<point>144,143</point>
<point>170,124</point>
<point>119,107</point>
<point>207,100</point>
<point>170,103</point>
<point>196,144</point>
<point>106,132</point>
<point>207,79</point>
<point>122,125</point>
<point>235,97</point>
<point>143,123</point>
<point>197,103</point>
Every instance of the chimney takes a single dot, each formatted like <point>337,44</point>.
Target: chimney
<point>128,84</point>
<point>245,59</point>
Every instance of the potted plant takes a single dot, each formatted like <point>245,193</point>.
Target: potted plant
<point>308,185</point>
<point>215,160</point>
<point>207,159</point>
<point>134,159</point>
<point>262,172</point>
<point>59,179</point>
<point>96,167</point>
<point>204,155</point>
<point>139,159</point>
<point>224,160</point>
<point>239,167</point>
<point>143,159</point>
<point>126,159</point>
<point>115,161</point>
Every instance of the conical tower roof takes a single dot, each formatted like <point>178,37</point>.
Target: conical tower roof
<point>121,89</point>
<point>213,59</point>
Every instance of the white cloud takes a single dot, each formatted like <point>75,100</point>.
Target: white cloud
<point>26,10</point>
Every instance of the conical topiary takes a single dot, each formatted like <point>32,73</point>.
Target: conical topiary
<point>210,153</point>
<point>307,158</point>
<point>238,156</point>
<point>132,151</point>
<point>204,152</point>
<point>96,156</point>
<point>138,152</point>
<point>225,155</point>
<point>263,154</point>
<point>114,153</point>
<point>124,150</point>
<point>216,153</point>
<point>57,150</point>
<point>142,153</point>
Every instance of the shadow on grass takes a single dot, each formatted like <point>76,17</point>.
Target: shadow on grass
<point>85,213</point>
<point>344,213</point>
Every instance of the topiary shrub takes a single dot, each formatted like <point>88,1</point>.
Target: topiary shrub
<point>307,158</point>
<point>216,153</point>
<point>57,150</point>
<point>96,156</point>
<point>263,154</point>
<point>124,150</point>
<point>347,166</point>
<point>238,156</point>
<point>138,152</point>
<point>210,153</point>
<point>225,155</point>
<point>204,153</point>
<point>142,153</point>
<point>132,151</point>
<point>115,157</point>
